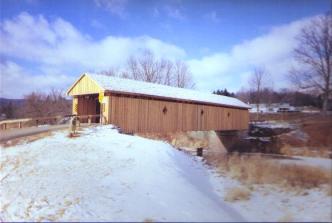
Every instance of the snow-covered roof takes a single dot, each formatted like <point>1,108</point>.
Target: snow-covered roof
<point>151,89</point>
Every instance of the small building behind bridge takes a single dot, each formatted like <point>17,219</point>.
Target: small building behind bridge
<point>141,107</point>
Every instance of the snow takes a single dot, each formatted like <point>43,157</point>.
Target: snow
<point>274,125</point>
<point>106,176</point>
<point>323,163</point>
<point>151,89</point>
<point>103,175</point>
<point>299,134</point>
<point>268,204</point>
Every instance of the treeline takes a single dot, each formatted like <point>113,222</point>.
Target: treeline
<point>37,104</point>
<point>224,93</point>
<point>269,96</point>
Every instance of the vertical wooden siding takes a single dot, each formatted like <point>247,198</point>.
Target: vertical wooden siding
<point>150,115</point>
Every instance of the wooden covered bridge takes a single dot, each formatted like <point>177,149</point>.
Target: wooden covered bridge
<point>137,106</point>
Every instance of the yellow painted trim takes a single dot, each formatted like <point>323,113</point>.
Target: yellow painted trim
<point>79,79</point>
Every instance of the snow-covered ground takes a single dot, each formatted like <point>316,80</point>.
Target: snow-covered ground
<point>269,203</point>
<point>274,124</point>
<point>323,163</point>
<point>106,176</point>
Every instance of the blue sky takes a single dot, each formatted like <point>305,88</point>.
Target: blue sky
<point>47,44</point>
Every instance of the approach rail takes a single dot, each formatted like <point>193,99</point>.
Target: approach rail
<point>51,120</point>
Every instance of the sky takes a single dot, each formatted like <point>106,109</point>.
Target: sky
<point>47,44</point>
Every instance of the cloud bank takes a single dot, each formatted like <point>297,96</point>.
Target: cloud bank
<point>38,53</point>
<point>232,69</point>
<point>58,48</point>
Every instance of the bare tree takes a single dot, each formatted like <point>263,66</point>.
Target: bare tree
<point>243,95</point>
<point>148,68</point>
<point>38,104</point>
<point>133,70</point>
<point>58,103</point>
<point>167,72</point>
<point>257,83</point>
<point>111,72</point>
<point>183,77</point>
<point>34,105</point>
<point>314,52</point>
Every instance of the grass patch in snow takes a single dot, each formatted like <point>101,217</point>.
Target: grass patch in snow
<point>329,190</point>
<point>237,194</point>
<point>260,170</point>
<point>288,217</point>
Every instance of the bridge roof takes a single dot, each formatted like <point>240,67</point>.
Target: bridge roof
<point>128,86</point>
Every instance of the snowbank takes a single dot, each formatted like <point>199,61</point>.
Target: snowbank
<point>106,176</point>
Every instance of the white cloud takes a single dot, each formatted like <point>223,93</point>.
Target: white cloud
<point>232,69</point>
<point>59,43</point>
<point>16,80</point>
<point>115,7</point>
<point>54,52</point>
<point>58,46</point>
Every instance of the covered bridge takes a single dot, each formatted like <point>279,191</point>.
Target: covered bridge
<point>137,106</point>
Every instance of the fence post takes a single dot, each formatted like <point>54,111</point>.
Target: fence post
<point>20,125</point>
<point>89,120</point>
<point>199,151</point>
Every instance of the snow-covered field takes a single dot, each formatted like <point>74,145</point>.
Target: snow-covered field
<point>106,176</point>
<point>323,163</point>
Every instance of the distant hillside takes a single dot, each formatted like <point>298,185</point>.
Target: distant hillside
<point>15,102</point>
<point>34,106</point>
<point>9,108</point>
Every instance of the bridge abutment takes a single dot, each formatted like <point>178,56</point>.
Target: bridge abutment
<point>231,139</point>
